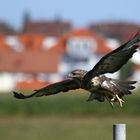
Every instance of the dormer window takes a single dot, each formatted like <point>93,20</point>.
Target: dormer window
<point>80,47</point>
<point>49,42</point>
<point>14,43</point>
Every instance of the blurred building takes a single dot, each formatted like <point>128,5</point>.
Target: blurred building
<point>45,52</point>
<point>122,31</point>
<point>55,28</point>
<point>34,60</point>
<point>118,30</point>
<point>6,29</point>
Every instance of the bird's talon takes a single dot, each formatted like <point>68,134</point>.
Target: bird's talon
<point>120,101</point>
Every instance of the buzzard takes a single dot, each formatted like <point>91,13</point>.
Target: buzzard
<point>101,87</point>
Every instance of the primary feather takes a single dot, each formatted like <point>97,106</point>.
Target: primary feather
<point>52,89</point>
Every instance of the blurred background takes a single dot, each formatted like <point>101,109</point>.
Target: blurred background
<point>40,43</point>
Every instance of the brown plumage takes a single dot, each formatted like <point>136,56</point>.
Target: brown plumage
<point>100,86</point>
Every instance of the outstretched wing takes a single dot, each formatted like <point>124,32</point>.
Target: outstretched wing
<point>52,89</point>
<point>114,60</point>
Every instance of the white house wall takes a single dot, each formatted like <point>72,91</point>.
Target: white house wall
<point>7,82</point>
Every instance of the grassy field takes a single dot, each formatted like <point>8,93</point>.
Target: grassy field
<point>66,128</point>
<point>66,104</point>
<point>66,117</point>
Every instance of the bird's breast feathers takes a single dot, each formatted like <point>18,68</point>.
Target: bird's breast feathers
<point>94,83</point>
<point>99,82</point>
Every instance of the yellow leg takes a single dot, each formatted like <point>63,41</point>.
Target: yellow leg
<point>120,101</point>
<point>110,102</point>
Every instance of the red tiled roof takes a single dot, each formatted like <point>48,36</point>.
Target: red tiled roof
<point>34,41</point>
<point>51,28</point>
<point>116,30</point>
<point>34,59</point>
<point>3,45</point>
<point>31,41</point>
<point>30,85</point>
<point>29,61</point>
<point>102,47</point>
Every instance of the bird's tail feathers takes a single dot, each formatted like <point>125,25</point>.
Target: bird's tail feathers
<point>125,86</point>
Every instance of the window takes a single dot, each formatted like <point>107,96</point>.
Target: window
<point>14,43</point>
<point>80,47</point>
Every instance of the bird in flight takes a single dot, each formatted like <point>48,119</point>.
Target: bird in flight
<point>101,87</point>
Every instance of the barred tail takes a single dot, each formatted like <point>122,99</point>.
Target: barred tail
<point>125,86</point>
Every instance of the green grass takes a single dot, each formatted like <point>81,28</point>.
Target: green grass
<point>72,103</point>
<point>66,128</point>
<point>66,116</point>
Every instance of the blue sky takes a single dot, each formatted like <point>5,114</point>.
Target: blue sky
<point>79,12</point>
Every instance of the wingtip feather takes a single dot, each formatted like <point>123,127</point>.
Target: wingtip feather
<point>20,95</point>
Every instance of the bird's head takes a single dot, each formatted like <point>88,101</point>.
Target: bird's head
<point>78,73</point>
